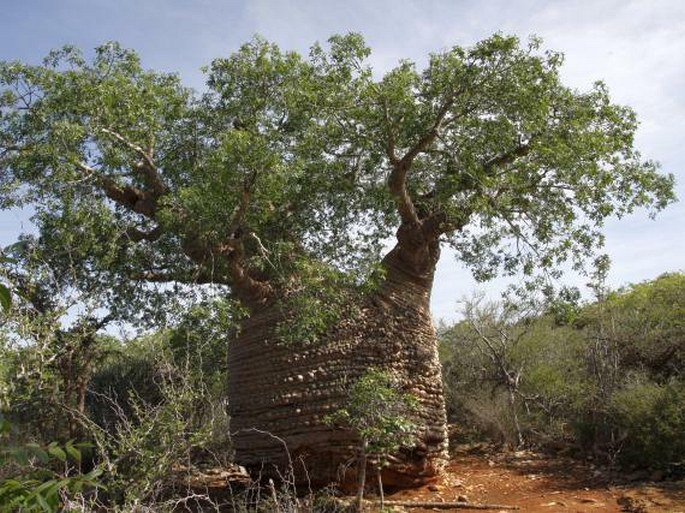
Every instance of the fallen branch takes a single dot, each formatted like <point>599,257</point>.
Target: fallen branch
<point>449,505</point>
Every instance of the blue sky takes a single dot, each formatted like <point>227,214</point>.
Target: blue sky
<point>635,46</point>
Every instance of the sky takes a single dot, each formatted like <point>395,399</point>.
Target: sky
<point>636,46</point>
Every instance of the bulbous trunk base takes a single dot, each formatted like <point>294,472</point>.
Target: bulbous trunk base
<point>280,393</point>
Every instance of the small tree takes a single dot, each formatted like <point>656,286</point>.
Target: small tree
<point>379,413</point>
<point>51,340</point>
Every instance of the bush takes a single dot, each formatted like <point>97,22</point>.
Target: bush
<point>607,379</point>
<point>153,413</point>
<point>650,420</point>
<point>41,478</point>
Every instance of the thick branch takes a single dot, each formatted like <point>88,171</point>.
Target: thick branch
<point>132,198</point>
<point>147,165</point>
<point>398,188</point>
<point>220,264</point>
<point>437,224</point>
<point>253,292</point>
<point>508,157</point>
<point>398,177</point>
<point>136,235</point>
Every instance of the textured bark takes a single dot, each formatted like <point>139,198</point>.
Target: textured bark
<point>281,392</point>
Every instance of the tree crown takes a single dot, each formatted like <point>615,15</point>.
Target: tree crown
<point>286,159</point>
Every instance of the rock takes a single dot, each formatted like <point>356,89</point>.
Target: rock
<point>588,500</point>
<point>630,505</point>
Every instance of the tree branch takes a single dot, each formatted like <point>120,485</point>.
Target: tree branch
<point>390,146</point>
<point>136,235</point>
<point>202,277</point>
<point>127,196</point>
<point>398,177</point>
<point>253,292</point>
<point>147,165</point>
<point>240,210</point>
<point>508,157</point>
<point>431,135</point>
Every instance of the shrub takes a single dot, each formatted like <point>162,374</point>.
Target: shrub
<point>607,379</point>
<point>650,420</point>
<point>154,413</point>
<point>380,415</point>
<point>41,478</point>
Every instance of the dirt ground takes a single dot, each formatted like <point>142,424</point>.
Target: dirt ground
<point>528,481</point>
<point>536,483</point>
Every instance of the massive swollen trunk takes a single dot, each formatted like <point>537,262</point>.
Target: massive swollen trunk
<point>280,392</point>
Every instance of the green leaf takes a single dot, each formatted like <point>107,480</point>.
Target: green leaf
<point>38,452</point>
<point>5,298</point>
<point>44,504</point>
<point>58,453</point>
<point>72,451</point>
<point>94,474</point>
<point>45,487</point>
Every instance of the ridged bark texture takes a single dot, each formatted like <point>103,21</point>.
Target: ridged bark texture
<point>280,393</point>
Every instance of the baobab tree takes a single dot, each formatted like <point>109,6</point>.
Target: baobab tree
<point>283,182</point>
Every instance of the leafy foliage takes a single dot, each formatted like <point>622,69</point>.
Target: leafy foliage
<point>279,184</point>
<point>286,159</point>
<point>29,480</point>
<point>381,416</point>
<point>649,326</point>
<point>379,413</point>
<point>148,405</point>
<point>5,293</point>
<point>650,420</point>
<point>600,381</point>
<point>5,298</point>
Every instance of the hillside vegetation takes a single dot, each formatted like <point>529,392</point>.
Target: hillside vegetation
<point>603,379</point>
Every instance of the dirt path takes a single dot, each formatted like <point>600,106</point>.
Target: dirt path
<point>538,484</point>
